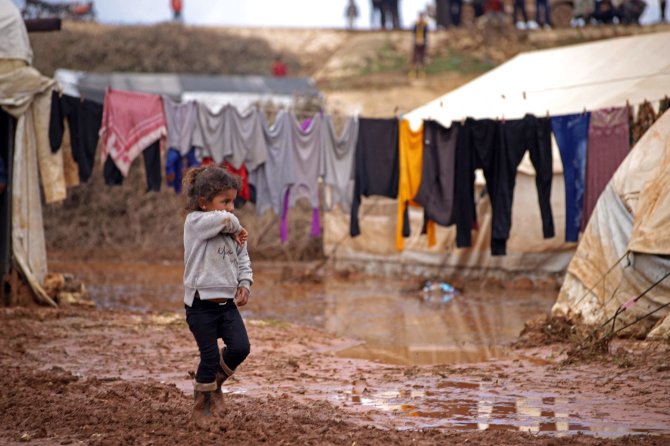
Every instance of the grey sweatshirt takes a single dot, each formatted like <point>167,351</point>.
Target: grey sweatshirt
<point>276,175</point>
<point>243,138</point>
<point>214,264</point>
<point>307,167</point>
<point>209,132</point>
<point>338,157</point>
<point>181,120</point>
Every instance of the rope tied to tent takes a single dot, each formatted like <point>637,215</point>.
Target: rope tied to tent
<point>630,303</point>
<point>591,339</point>
<point>590,290</point>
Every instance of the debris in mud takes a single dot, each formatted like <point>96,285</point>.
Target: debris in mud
<point>66,289</point>
<point>589,349</point>
<point>546,330</point>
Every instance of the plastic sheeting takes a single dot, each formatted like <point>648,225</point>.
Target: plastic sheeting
<point>626,231</point>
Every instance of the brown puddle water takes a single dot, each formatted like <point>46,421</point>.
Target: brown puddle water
<point>397,324</point>
<point>466,405</point>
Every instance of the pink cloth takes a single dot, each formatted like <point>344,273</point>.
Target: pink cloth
<point>131,122</point>
<point>608,145</point>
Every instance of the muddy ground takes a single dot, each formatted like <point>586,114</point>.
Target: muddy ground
<point>81,375</point>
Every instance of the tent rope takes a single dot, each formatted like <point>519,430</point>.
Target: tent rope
<point>626,305</point>
<point>590,290</point>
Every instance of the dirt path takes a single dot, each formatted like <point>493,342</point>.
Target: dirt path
<point>110,377</point>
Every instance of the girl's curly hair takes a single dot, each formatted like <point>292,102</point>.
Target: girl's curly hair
<point>207,182</point>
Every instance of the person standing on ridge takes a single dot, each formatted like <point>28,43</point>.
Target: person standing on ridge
<point>420,33</point>
<point>176,6</point>
<point>351,13</point>
<point>279,67</point>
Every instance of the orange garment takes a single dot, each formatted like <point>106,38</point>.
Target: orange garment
<point>411,162</point>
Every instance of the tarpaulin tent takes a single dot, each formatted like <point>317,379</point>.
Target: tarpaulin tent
<point>625,248</point>
<point>556,81</point>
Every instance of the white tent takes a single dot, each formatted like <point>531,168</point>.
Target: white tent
<point>562,80</point>
<point>625,247</point>
<point>556,81</point>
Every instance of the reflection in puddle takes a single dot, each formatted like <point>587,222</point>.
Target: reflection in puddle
<point>389,315</point>
<point>470,406</point>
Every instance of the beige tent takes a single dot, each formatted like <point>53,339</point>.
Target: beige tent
<point>559,81</point>
<point>625,247</point>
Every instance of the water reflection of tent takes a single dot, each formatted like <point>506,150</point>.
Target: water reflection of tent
<point>629,233</point>
<point>557,81</point>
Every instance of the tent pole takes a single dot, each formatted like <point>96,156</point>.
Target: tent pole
<point>7,125</point>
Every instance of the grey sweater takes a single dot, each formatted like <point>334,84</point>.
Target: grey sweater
<point>214,264</point>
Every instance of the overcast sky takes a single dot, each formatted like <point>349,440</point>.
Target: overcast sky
<point>278,13</point>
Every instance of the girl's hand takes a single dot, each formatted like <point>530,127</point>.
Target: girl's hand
<point>241,237</point>
<point>242,296</point>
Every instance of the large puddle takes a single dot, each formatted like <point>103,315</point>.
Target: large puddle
<point>395,322</point>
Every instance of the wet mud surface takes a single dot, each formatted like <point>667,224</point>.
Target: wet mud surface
<point>119,373</point>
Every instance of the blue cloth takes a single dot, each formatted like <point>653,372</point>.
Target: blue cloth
<point>572,136</point>
<point>173,169</point>
<point>174,165</point>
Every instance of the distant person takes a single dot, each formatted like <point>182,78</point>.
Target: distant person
<point>376,12</point>
<point>217,280</point>
<point>582,12</point>
<point>520,7</point>
<point>279,67</point>
<point>604,12</point>
<point>351,13</point>
<point>394,10</point>
<point>494,13</point>
<point>543,20</point>
<point>176,6</point>
<point>630,11</point>
<point>455,12</point>
<point>420,36</point>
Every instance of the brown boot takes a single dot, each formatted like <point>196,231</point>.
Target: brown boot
<point>205,403</point>
<point>223,373</point>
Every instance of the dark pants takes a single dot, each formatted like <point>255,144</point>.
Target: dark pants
<point>455,8</point>
<point>210,321</point>
<point>520,6</point>
<point>543,4</point>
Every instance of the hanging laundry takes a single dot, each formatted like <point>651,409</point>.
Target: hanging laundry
<point>530,134</point>
<point>436,193</point>
<point>338,158</point>
<point>498,148</point>
<point>180,119</point>
<point>209,131</point>
<point>242,173</point>
<point>130,123</point>
<point>572,134</point>
<point>607,147</point>
<point>273,178</point>
<point>376,164</point>
<point>307,165</point>
<point>410,168</point>
<point>70,167</point>
<point>84,119</point>
<point>174,167</point>
<point>152,166</point>
<point>243,138</point>
<point>477,143</point>
<point>646,116</point>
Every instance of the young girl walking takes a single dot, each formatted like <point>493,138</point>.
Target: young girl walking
<point>217,280</point>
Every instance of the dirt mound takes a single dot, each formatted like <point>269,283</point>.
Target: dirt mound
<point>547,330</point>
<point>162,48</point>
